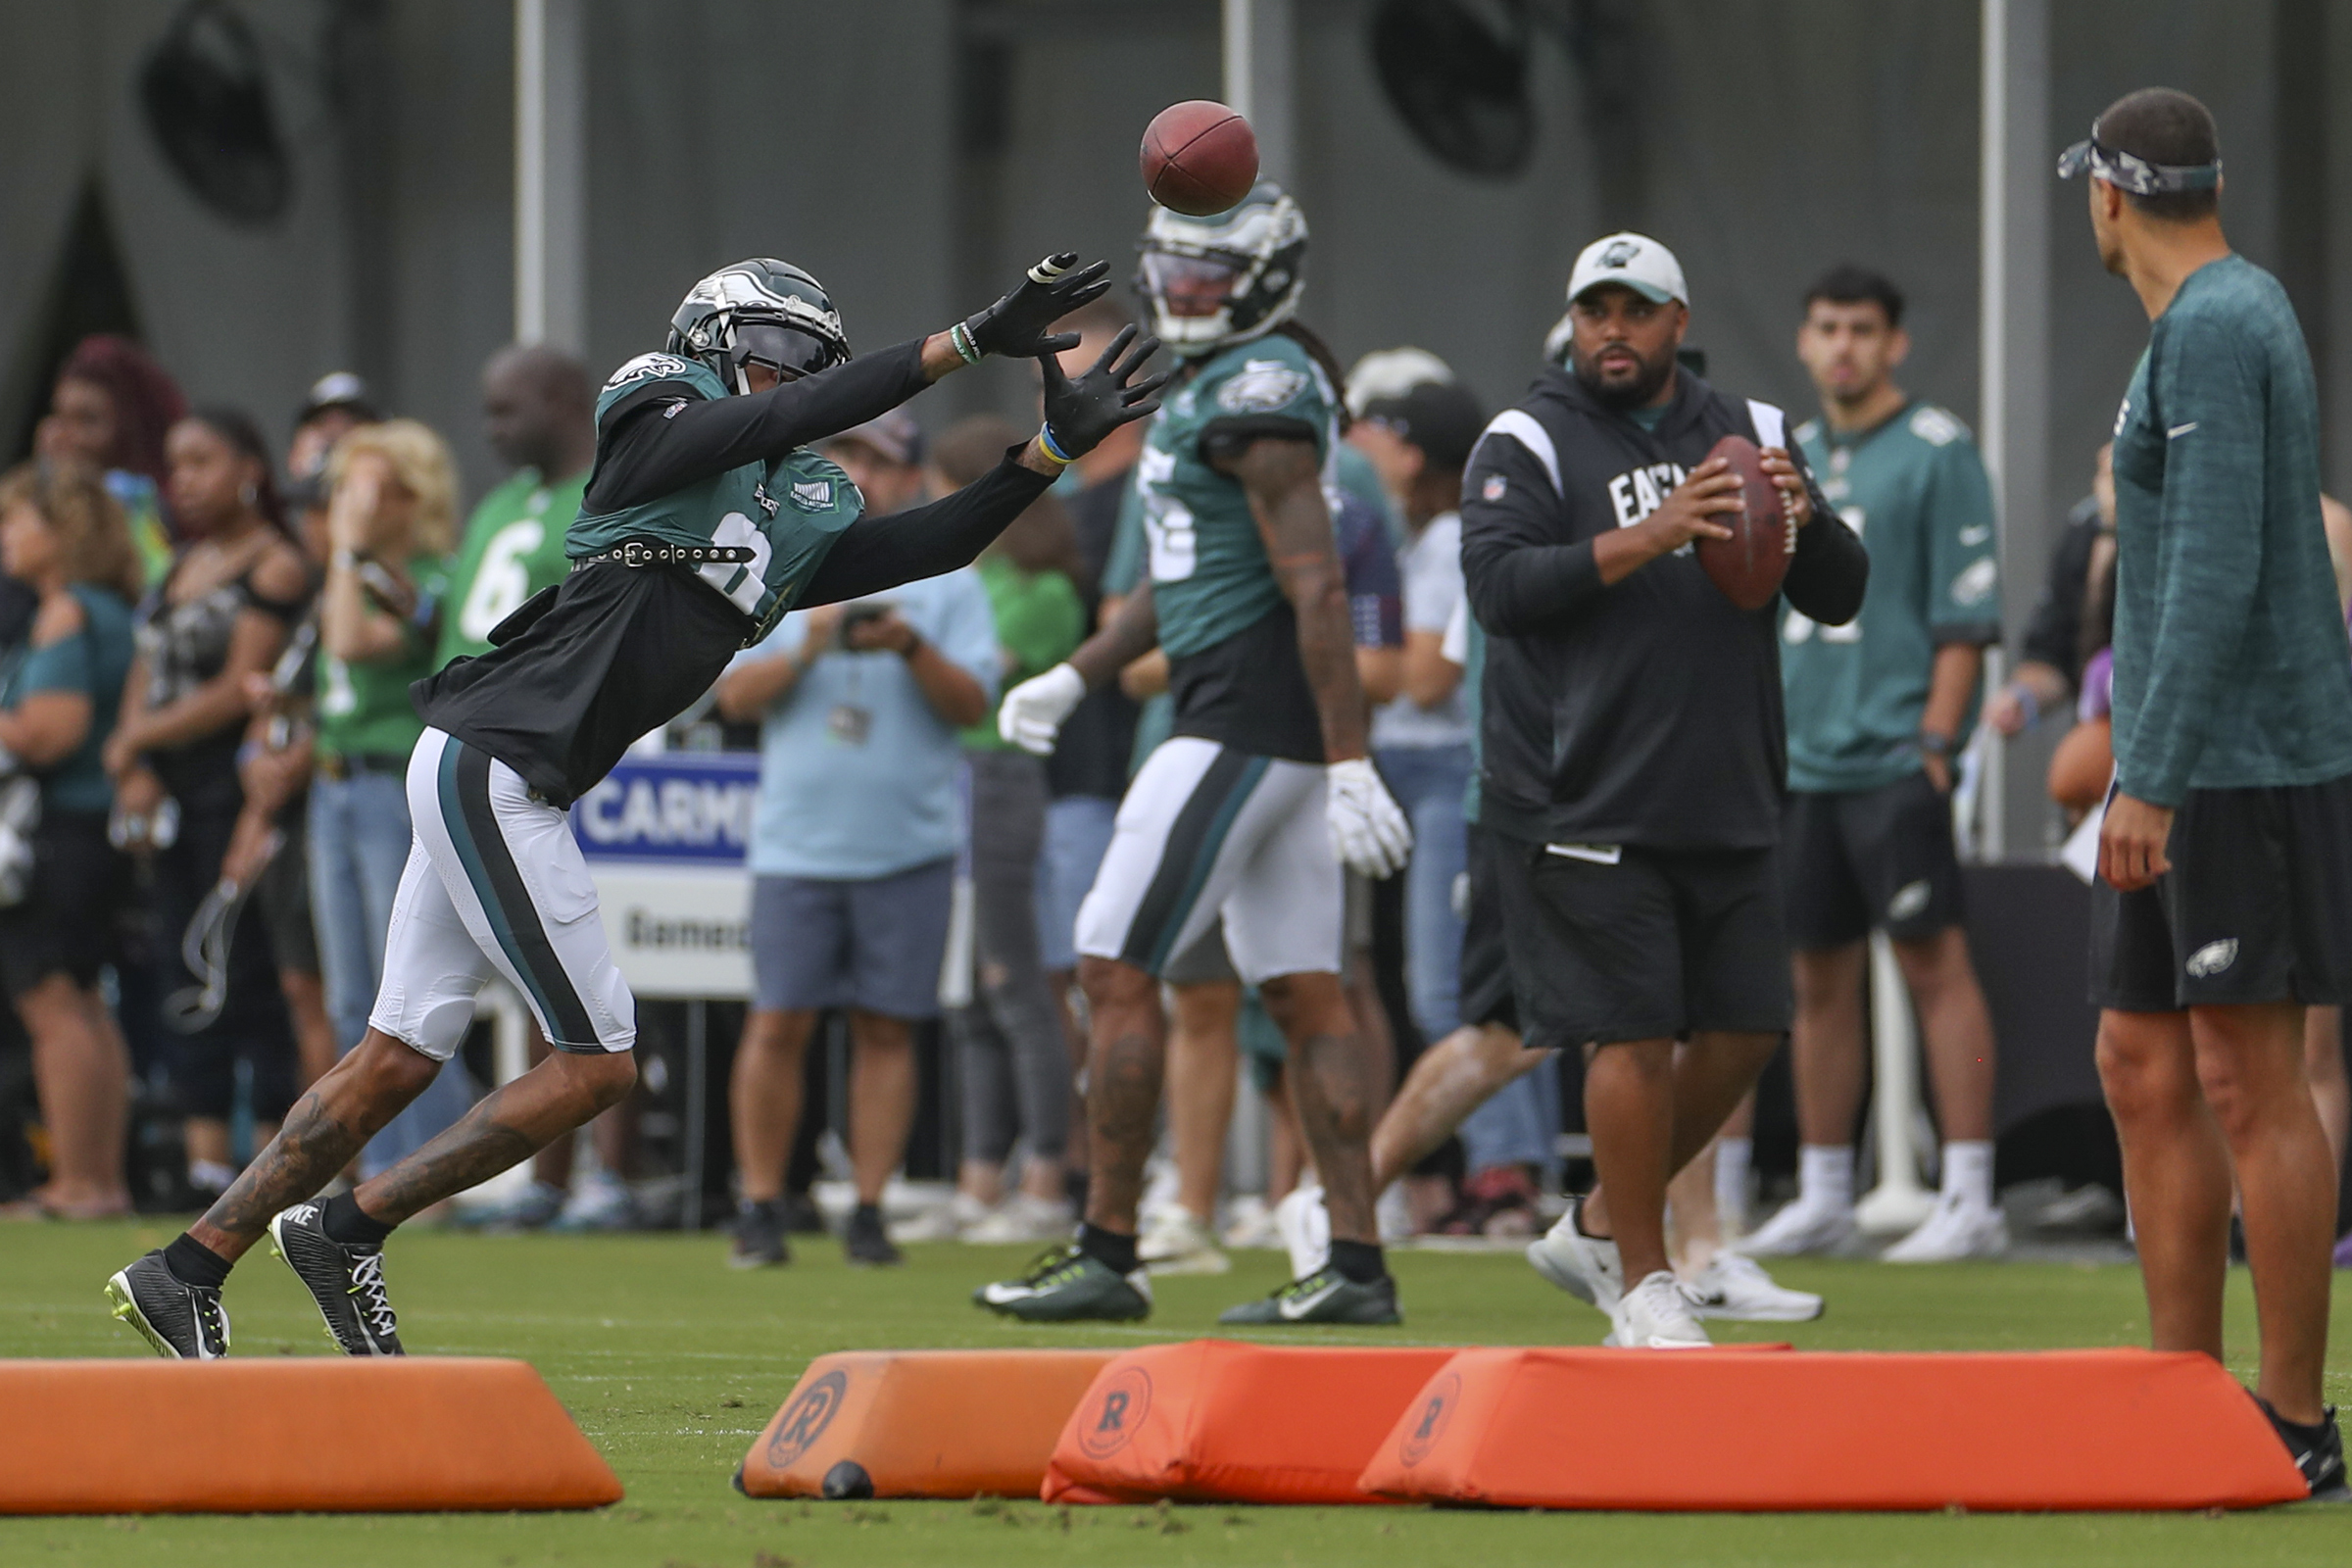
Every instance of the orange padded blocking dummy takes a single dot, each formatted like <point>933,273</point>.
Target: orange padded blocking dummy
<point>919,1424</point>
<point>294,1433</point>
<point>1215,1421</point>
<point>1711,1429</point>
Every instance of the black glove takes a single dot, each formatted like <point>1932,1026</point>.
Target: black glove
<point>1080,414</point>
<point>1017,324</point>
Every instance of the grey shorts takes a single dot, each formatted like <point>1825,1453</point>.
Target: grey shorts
<point>875,945</point>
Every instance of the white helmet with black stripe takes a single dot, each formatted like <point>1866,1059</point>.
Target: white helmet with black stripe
<point>1224,279</point>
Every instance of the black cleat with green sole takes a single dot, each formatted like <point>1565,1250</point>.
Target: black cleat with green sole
<point>184,1322</point>
<point>1069,1285</point>
<point>1324,1297</point>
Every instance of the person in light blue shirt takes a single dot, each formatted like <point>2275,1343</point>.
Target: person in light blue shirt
<point>853,854</point>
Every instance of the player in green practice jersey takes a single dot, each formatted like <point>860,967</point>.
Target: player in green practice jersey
<point>538,407</point>
<point>1877,709</point>
<point>1247,811</point>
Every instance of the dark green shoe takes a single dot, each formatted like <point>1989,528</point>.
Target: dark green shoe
<point>1068,1286</point>
<point>1324,1297</point>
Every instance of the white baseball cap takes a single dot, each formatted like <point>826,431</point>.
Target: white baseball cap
<point>1636,260</point>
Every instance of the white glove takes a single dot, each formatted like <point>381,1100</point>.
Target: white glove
<point>1032,712</point>
<point>1367,828</point>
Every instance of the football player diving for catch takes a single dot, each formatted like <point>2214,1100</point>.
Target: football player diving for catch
<point>1265,774</point>
<point>705,518</point>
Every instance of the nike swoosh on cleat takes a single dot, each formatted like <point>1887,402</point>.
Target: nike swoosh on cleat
<point>1294,1308</point>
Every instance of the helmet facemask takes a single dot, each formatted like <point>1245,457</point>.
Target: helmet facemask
<point>758,311</point>
<point>1214,282</point>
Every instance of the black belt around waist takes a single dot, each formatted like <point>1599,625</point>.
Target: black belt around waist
<point>660,553</point>
<point>341,766</point>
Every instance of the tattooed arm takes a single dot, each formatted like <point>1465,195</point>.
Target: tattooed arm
<point>1280,477</point>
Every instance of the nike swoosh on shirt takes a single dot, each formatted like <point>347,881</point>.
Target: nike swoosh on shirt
<point>2180,430</point>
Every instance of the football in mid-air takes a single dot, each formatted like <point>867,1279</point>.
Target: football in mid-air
<point>1198,158</point>
<point>1749,565</point>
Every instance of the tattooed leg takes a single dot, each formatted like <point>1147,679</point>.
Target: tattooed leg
<point>1122,1087</point>
<point>326,1127</point>
<point>505,1127</point>
<point>1333,1085</point>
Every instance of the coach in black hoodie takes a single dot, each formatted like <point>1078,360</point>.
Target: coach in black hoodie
<point>1635,757</point>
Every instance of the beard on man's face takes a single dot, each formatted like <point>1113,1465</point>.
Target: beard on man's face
<point>1616,390</point>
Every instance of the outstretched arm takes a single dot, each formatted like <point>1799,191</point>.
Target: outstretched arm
<point>878,552</point>
<point>665,442</point>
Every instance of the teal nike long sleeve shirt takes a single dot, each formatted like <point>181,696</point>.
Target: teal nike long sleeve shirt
<point>2231,665</point>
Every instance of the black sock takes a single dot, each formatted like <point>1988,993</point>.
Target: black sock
<point>772,1208</point>
<point>1357,1261</point>
<point>1111,1248</point>
<point>191,1263</point>
<point>348,1225</point>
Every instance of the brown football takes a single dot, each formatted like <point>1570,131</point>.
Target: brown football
<point>1198,158</point>
<point>1749,565</point>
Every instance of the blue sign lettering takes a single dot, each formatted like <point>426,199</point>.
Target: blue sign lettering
<point>690,807</point>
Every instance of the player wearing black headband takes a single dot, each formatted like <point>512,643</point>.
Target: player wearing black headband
<point>706,518</point>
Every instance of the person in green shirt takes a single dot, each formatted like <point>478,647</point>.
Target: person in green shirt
<point>1877,710</point>
<point>1015,1064</point>
<point>390,521</point>
<point>537,407</point>
<point>2224,908</point>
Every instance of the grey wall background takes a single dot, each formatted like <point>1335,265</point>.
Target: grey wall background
<point>916,153</point>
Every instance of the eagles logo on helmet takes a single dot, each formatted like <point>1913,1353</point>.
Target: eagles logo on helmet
<point>758,311</point>
<point>1221,280</point>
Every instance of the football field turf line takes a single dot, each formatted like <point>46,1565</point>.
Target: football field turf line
<point>669,1360</point>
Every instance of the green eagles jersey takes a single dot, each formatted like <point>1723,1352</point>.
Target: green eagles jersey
<point>1040,619</point>
<point>788,513</point>
<point>1914,491</point>
<point>364,709</point>
<point>513,547</point>
<point>1209,569</point>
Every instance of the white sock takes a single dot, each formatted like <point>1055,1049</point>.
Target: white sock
<point>1733,1157</point>
<point>1824,1176</point>
<point>1968,1172</point>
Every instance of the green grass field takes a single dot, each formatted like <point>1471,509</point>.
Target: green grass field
<point>672,1364</point>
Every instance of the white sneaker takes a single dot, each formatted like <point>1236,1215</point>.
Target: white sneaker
<point>1023,1217</point>
<point>1304,1225</point>
<point>1586,1267</point>
<point>1737,1290</point>
<point>944,1222</point>
<point>1954,1230</point>
<point>1249,1224</point>
<point>1175,1242</point>
<point>1799,1229</point>
<point>1655,1315</point>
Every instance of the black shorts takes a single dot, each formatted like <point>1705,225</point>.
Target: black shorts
<point>65,924</point>
<point>2257,907</point>
<point>1486,974</point>
<point>1659,944</point>
<point>283,895</point>
<point>1851,859</point>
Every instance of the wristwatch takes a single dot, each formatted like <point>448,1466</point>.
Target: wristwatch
<point>1934,745</point>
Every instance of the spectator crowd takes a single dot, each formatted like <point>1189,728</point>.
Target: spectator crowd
<point>206,648</point>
